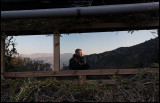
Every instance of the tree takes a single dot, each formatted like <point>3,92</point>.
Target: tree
<point>16,63</point>
<point>10,50</point>
<point>23,64</point>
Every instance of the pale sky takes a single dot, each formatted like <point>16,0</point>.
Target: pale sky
<point>90,43</point>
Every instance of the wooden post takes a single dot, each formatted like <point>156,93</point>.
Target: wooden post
<point>56,51</point>
<point>2,54</point>
<point>82,79</point>
<point>158,32</point>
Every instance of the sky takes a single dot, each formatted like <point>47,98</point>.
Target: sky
<point>90,43</point>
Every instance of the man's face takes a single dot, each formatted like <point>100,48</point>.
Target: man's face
<point>79,53</point>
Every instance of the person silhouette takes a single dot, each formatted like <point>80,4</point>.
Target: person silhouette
<point>77,62</point>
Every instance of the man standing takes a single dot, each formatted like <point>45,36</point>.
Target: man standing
<point>77,62</point>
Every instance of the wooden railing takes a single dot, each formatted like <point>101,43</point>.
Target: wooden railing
<point>80,73</point>
<point>77,72</point>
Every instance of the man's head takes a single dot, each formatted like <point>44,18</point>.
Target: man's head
<point>78,52</point>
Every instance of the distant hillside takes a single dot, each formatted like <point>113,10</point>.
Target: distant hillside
<point>48,58</point>
<point>37,55</point>
<point>137,56</point>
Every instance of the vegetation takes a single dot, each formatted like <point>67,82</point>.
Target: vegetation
<point>143,87</point>
<point>144,55</point>
<point>20,64</point>
<point>10,44</point>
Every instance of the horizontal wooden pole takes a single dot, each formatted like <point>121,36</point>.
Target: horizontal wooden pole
<point>80,28</point>
<point>107,27</point>
<point>114,25</point>
<point>77,72</point>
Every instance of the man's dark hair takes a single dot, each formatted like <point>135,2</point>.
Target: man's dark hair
<point>76,51</point>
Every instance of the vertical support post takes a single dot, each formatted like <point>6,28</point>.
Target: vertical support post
<point>56,51</point>
<point>158,32</point>
<point>2,55</point>
<point>158,40</point>
<point>82,79</point>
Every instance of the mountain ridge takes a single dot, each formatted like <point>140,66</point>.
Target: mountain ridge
<point>139,55</point>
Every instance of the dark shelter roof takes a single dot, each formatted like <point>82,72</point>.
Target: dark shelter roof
<point>116,22</point>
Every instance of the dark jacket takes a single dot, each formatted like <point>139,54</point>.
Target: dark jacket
<point>77,63</point>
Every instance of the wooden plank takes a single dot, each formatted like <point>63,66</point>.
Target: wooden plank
<point>56,51</point>
<point>113,25</point>
<point>80,28</point>
<point>2,55</point>
<point>82,79</point>
<point>77,72</point>
<point>158,32</point>
<point>107,27</point>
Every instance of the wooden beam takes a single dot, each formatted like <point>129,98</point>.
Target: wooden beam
<point>82,79</point>
<point>2,55</point>
<point>80,28</point>
<point>114,25</point>
<point>56,51</point>
<point>107,27</point>
<point>158,32</point>
<point>77,72</point>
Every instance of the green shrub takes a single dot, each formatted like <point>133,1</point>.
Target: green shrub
<point>143,87</point>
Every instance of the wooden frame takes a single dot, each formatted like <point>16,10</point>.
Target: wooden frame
<point>2,55</point>
<point>81,73</point>
<point>158,32</point>
<point>80,28</point>
<point>56,51</point>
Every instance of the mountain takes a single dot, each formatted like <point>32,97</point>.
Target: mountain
<point>48,58</point>
<point>137,56</point>
<point>37,55</point>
